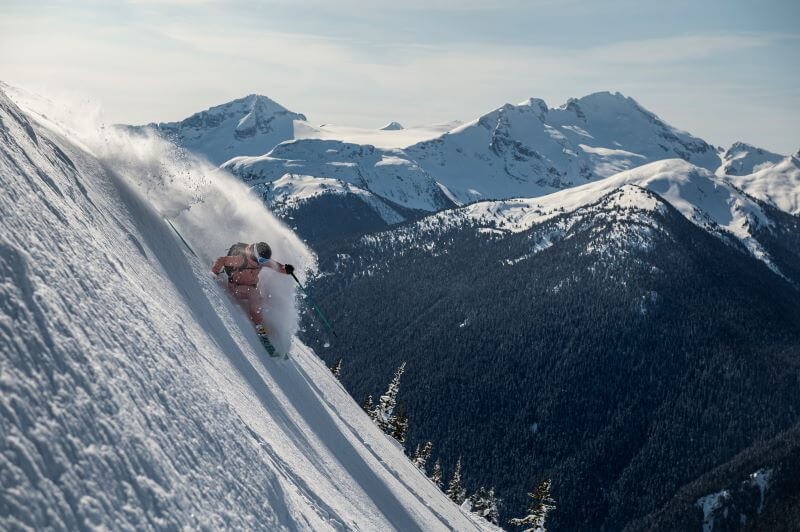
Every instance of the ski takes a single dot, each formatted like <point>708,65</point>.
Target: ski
<point>270,348</point>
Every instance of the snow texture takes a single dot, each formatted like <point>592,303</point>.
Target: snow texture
<point>293,190</point>
<point>134,395</point>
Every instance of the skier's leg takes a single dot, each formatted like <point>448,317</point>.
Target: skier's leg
<point>255,303</point>
<point>240,296</point>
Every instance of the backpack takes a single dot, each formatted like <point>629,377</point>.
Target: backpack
<point>238,249</point>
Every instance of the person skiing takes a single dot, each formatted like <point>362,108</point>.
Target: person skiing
<point>242,265</point>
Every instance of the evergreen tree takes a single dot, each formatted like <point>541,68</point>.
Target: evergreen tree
<point>455,490</point>
<point>384,412</point>
<point>399,424</point>
<point>540,506</point>
<point>436,475</point>
<point>421,456</point>
<point>484,503</point>
<point>368,406</point>
<point>336,369</point>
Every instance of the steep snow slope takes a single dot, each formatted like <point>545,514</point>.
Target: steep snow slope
<point>778,184</point>
<point>252,125</point>
<point>133,395</point>
<point>531,150</point>
<point>744,159</point>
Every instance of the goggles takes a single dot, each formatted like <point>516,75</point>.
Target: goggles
<point>261,260</point>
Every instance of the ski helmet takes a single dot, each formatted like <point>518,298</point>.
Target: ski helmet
<point>262,250</point>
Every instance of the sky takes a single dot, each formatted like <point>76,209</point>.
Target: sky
<point>724,70</point>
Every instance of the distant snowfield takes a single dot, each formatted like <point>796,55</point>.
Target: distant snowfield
<point>134,395</point>
<point>380,138</point>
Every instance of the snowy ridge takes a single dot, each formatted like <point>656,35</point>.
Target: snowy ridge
<point>134,395</point>
<point>778,184</point>
<point>386,173</point>
<point>743,159</point>
<point>530,150</point>
<point>291,191</point>
<point>708,201</point>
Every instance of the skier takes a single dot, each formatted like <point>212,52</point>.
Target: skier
<point>242,265</point>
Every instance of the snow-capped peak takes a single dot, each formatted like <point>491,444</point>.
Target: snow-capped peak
<point>252,125</point>
<point>392,126</point>
<point>743,159</point>
<point>538,105</point>
<point>530,149</point>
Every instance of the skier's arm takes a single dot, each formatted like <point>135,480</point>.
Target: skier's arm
<point>235,261</point>
<point>278,267</point>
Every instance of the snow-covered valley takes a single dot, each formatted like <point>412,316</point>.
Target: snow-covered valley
<point>134,395</point>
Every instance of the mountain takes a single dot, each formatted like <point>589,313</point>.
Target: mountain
<point>134,395</point>
<point>526,150</point>
<point>392,126</point>
<point>530,150</point>
<point>778,184</point>
<point>301,177</point>
<point>252,125</point>
<point>623,338</point>
<point>743,159</point>
<point>710,202</point>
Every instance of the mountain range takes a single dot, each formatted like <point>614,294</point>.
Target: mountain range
<point>526,150</point>
<point>584,293</point>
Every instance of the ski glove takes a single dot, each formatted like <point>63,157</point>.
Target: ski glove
<point>289,269</point>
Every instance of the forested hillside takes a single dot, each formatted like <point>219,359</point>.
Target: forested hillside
<point>619,349</point>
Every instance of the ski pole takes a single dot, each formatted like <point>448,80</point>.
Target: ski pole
<point>314,305</point>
